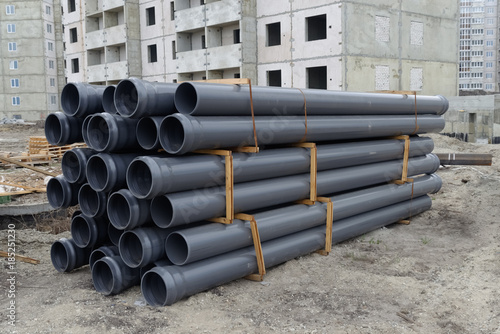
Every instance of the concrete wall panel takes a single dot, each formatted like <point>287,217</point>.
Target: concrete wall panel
<point>275,53</point>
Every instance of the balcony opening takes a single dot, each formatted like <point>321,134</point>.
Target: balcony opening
<point>152,55</point>
<point>237,75</point>
<point>71,6</point>
<point>274,78</point>
<point>172,11</point>
<point>203,42</point>
<point>316,27</point>
<point>273,34</point>
<point>236,36</point>
<point>174,53</point>
<point>73,35</point>
<point>316,77</point>
<point>75,65</point>
<point>150,16</point>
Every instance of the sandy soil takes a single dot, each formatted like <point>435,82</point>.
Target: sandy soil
<point>437,275</point>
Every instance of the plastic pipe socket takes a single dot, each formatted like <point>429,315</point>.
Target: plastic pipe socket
<point>108,133</point>
<point>111,275</point>
<point>88,232</point>
<point>74,164</point>
<point>66,255</point>
<point>126,212</point>
<point>92,203</point>
<point>138,98</point>
<point>61,193</point>
<point>81,99</point>
<point>61,129</point>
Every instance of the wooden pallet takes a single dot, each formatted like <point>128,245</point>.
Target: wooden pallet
<point>39,145</point>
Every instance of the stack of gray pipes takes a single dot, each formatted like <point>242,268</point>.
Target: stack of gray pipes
<point>145,196</point>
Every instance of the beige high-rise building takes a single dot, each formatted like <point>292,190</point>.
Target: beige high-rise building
<point>31,71</point>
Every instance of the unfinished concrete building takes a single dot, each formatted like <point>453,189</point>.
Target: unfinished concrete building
<point>337,45</point>
<point>31,69</point>
<point>475,119</point>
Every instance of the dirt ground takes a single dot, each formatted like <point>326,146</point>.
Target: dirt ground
<point>437,275</point>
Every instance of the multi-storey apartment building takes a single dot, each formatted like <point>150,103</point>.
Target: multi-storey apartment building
<point>478,67</point>
<point>31,62</point>
<point>339,45</point>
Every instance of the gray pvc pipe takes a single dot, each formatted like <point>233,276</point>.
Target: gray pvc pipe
<point>81,99</point>
<point>108,100</point>
<point>147,132</point>
<point>92,203</point>
<point>67,256</point>
<point>61,193</point>
<point>168,284</point>
<point>114,234</point>
<point>138,98</point>
<point>101,252</point>
<point>126,212</point>
<point>148,177</point>
<point>194,205</point>
<point>88,232</point>
<point>111,133</point>
<point>160,263</point>
<point>197,243</point>
<point>61,129</point>
<point>111,275</point>
<point>85,126</point>
<point>143,245</point>
<point>107,172</point>
<point>74,164</point>
<point>208,99</point>
<point>181,133</point>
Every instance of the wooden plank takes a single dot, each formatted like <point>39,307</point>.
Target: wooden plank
<point>21,258</point>
<point>10,161</point>
<point>465,159</point>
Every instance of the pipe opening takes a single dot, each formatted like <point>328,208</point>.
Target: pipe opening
<point>114,234</point>
<point>71,167</point>
<point>154,289</point>
<point>108,100</point>
<point>172,135</point>
<point>131,249</point>
<point>126,98</point>
<point>55,193</point>
<point>80,231</point>
<point>89,201</point>
<point>147,133</point>
<point>95,256</point>
<point>177,249</point>
<point>162,211</point>
<point>59,256</point>
<point>139,178</point>
<point>97,173</point>
<point>103,277</point>
<point>119,211</point>
<point>70,99</point>
<point>98,133</point>
<point>53,129</point>
<point>186,98</point>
